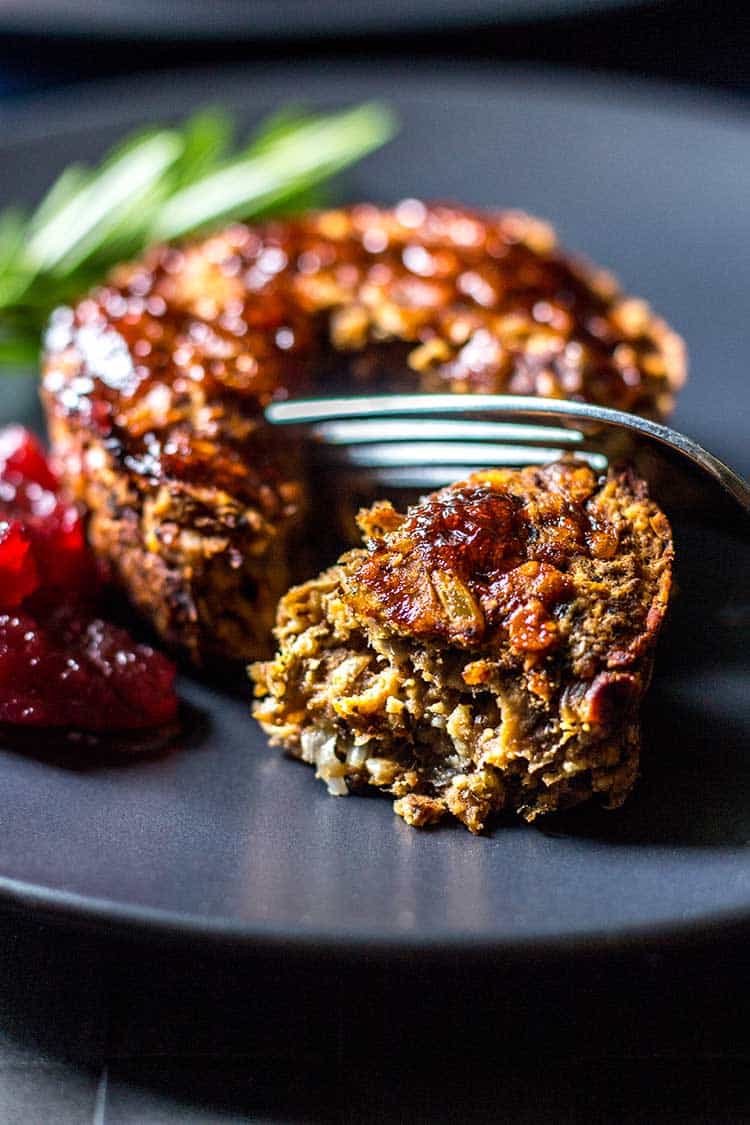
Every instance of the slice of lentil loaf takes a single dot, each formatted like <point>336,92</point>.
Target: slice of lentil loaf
<point>154,384</point>
<point>486,651</point>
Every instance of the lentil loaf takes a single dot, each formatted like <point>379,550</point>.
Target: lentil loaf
<point>486,651</point>
<point>155,383</point>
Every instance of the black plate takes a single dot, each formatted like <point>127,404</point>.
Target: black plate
<point>226,837</point>
<point>273,19</point>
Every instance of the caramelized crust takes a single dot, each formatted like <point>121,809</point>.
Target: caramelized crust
<point>487,650</point>
<point>154,384</point>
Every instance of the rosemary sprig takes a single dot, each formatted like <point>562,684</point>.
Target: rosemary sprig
<point>161,184</point>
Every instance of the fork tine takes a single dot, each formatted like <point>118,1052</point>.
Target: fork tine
<point>358,431</point>
<point>407,483</point>
<point>307,411</point>
<point>478,454</point>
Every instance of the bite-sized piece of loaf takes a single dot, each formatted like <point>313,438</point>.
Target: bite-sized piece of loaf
<point>154,384</point>
<point>488,650</point>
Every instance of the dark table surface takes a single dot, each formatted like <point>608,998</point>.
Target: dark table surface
<point>97,1028</point>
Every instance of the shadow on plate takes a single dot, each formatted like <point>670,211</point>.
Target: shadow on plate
<point>87,751</point>
<point>695,784</point>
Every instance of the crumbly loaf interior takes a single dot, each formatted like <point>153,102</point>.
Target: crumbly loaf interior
<point>464,664</point>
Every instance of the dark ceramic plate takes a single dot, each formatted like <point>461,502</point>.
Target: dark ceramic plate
<point>273,19</point>
<point>224,837</point>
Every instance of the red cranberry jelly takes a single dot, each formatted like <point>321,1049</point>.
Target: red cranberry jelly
<point>60,665</point>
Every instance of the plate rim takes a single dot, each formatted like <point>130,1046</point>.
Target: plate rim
<point>113,102</point>
<point>99,914</point>
<point>229,18</point>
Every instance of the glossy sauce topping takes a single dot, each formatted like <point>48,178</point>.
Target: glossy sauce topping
<point>196,340</point>
<point>485,559</point>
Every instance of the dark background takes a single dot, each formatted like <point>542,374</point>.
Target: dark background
<point>102,1028</point>
<point>685,40</point>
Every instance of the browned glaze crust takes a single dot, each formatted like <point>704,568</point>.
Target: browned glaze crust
<point>487,650</point>
<point>154,383</point>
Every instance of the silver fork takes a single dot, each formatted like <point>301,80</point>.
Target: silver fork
<point>398,446</point>
<point>412,441</point>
